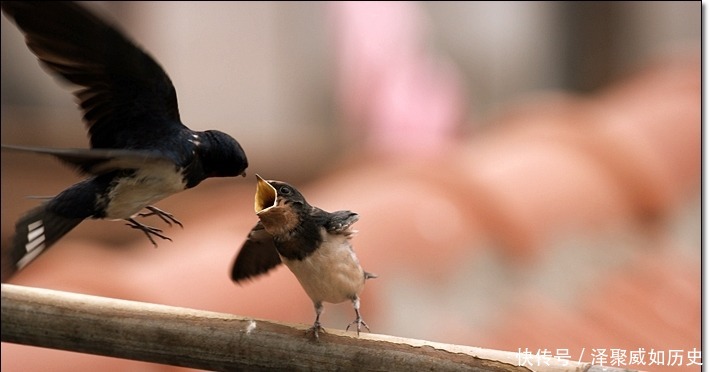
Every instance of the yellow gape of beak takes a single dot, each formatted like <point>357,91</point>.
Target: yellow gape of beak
<point>265,197</point>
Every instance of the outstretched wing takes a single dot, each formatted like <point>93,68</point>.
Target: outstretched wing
<point>124,93</point>
<point>257,256</point>
<point>100,161</point>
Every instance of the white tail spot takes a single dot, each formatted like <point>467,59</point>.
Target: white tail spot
<point>34,234</point>
<point>35,243</point>
<point>29,257</point>
<point>34,225</point>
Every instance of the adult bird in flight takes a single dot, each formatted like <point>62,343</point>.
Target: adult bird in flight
<point>140,152</point>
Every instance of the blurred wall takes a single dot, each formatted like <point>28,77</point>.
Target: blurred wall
<point>569,219</point>
<point>264,71</point>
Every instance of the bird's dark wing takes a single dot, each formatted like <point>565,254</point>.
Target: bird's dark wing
<point>257,256</point>
<point>100,161</point>
<point>124,93</point>
<point>339,222</point>
<point>34,233</point>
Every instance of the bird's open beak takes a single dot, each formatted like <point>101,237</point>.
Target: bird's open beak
<point>265,197</point>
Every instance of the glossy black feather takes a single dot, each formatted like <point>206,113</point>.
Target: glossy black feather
<point>140,151</point>
<point>257,256</point>
<point>100,161</point>
<point>34,232</point>
<point>41,227</point>
<point>125,95</point>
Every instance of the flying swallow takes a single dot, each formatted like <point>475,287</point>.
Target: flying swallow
<point>140,152</point>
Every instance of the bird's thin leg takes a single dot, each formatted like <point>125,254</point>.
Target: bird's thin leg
<point>316,325</point>
<point>358,319</point>
<point>147,230</point>
<point>165,216</point>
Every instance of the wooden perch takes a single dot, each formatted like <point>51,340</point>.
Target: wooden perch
<point>224,342</point>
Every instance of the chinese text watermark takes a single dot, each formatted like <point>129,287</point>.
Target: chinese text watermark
<point>612,357</point>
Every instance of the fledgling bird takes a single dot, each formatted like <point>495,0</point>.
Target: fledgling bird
<point>140,150</point>
<point>312,243</point>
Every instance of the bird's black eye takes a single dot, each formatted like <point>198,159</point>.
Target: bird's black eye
<point>284,190</point>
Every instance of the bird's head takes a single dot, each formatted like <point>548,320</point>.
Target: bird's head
<point>278,205</point>
<point>221,155</point>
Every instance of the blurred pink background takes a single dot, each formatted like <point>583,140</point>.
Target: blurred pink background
<point>527,174</point>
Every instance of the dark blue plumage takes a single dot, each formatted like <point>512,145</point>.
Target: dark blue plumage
<point>140,150</point>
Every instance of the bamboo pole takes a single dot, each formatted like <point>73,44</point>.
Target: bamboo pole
<point>224,342</point>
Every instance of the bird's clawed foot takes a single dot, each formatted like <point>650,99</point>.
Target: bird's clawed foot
<point>358,322</point>
<point>165,216</point>
<point>147,230</point>
<point>315,330</point>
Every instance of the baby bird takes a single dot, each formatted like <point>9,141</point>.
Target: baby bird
<point>312,243</point>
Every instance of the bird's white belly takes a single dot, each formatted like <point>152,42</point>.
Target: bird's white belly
<point>332,273</point>
<point>144,188</point>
